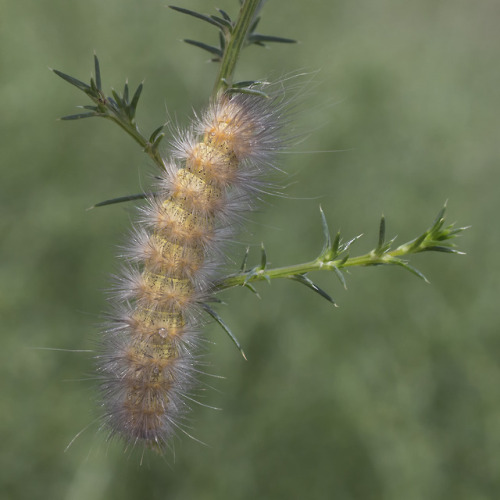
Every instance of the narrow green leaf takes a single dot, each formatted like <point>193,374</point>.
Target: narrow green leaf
<point>79,116</point>
<point>73,81</point>
<point>247,83</point>
<point>302,278</point>
<point>405,265</point>
<point>223,325</point>
<point>388,245</point>
<point>343,261</point>
<point>222,23</point>
<point>252,289</point>
<point>215,299</point>
<point>97,73</point>
<point>111,103</point>
<point>262,39</point>
<point>417,242</point>
<point>454,232</point>
<point>222,41</point>
<point>209,48</point>
<point>345,246</point>
<point>118,99</point>
<point>440,248</point>
<point>245,258</point>
<point>327,245</point>
<point>336,244</point>
<point>125,93</point>
<point>192,13</point>
<point>340,276</point>
<point>254,25</point>
<point>225,15</point>
<point>155,133</point>
<point>135,99</point>
<point>263,257</point>
<point>157,141</point>
<point>438,221</point>
<point>122,199</point>
<point>255,92</point>
<point>381,233</point>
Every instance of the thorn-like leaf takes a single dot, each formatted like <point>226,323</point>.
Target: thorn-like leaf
<point>247,91</point>
<point>192,13</point>
<point>336,244</point>
<point>340,276</point>
<point>302,278</point>
<point>245,258</point>
<point>155,133</point>
<point>439,220</point>
<point>222,23</point>
<point>345,246</point>
<point>88,106</point>
<point>381,233</point>
<point>73,81</point>
<point>440,248</point>
<point>125,93</point>
<point>223,325</point>
<point>252,289</point>
<point>157,141</point>
<point>225,15</point>
<point>118,99</point>
<point>407,266</point>
<point>247,83</point>
<point>113,103</point>
<point>97,73</point>
<point>345,258</point>
<point>254,25</point>
<point>135,99</point>
<point>263,257</point>
<point>79,116</point>
<point>455,232</point>
<point>121,199</point>
<point>93,86</point>
<point>327,245</point>
<point>417,241</point>
<point>262,39</point>
<point>222,41</point>
<point>209,48</point>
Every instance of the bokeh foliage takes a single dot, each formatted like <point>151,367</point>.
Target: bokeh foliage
<point>393,395</point>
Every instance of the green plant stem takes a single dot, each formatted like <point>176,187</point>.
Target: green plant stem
<point>371,258</point>
<point>132,130</point>
<point>234,44</point>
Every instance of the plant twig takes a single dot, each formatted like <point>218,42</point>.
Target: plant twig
<point>234,44</point>
<point>335,256</point>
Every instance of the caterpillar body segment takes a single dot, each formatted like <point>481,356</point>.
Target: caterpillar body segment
<point>150,357</point>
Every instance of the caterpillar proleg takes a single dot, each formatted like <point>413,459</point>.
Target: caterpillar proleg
<point>150,358</point>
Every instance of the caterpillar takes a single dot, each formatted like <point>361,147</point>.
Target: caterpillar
<point>150,354</point>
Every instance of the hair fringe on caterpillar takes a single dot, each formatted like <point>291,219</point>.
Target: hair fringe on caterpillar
<point>150,354</point>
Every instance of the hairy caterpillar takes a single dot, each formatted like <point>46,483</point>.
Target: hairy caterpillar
<point>149,361</point>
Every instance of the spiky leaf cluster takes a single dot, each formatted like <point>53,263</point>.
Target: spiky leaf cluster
<point>228,31</point>
<point>120,108</point>
<point>226,27</point>
<point>335,256</point>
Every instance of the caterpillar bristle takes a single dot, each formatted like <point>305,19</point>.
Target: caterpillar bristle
<point>150,360</point>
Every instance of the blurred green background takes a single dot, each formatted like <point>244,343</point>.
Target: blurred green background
<point>394,395</point>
